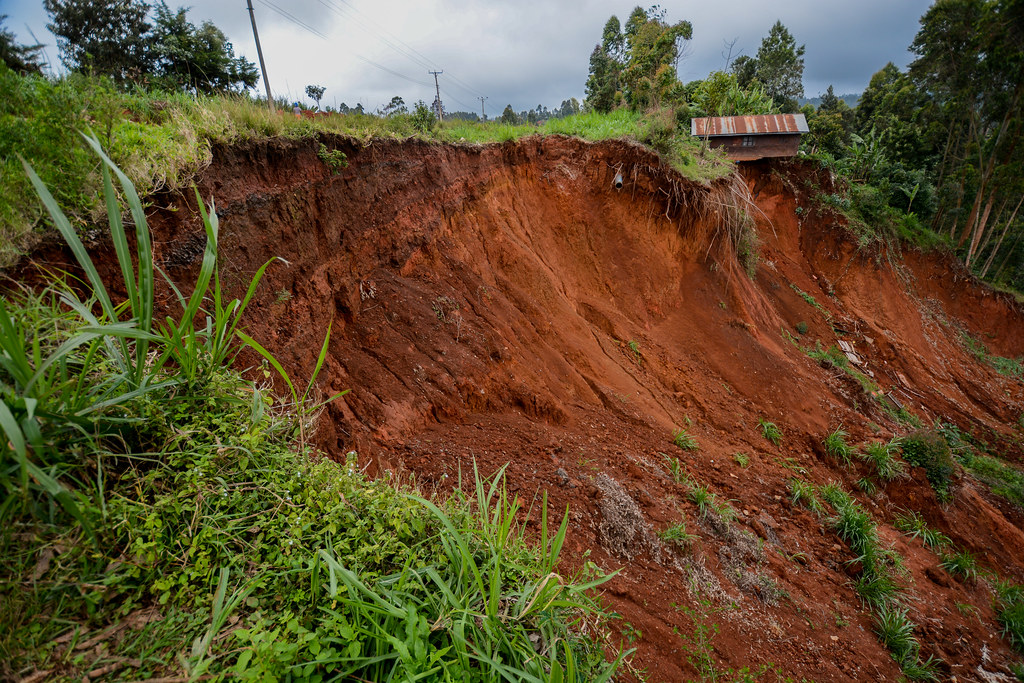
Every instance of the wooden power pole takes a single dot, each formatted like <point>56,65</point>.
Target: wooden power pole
<point>484,115</point>
<point>440,112</point>
<point>259,52</point>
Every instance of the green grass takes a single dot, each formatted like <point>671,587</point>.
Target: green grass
<point>770,431</point>
<point>962,565</point>
<point>1002,478</point>
<point>836,446</point>
<point>684,440</point>
<point>806,493</point>
<point>1009,605</point>
<point>156,496</point>
<point>912,524</point>
<point>1008,367</point>
<point>677,536</point>
<point>881,456</point>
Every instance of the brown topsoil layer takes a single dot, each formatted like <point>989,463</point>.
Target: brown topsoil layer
<point>505,304</point>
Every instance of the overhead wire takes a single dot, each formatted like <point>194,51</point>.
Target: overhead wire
<point>383,35</point>
<point>411,53</point>
<point>298,22</point>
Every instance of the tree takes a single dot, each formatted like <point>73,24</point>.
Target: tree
<point>395,106</point>
<point>969,61</point>
<point>778,66</point>
<point>21,58</point>
<point>637,64</point>
<point>200,59</point>
<point>602,84</point>
<point>653,50</point>
<point>106,37</point>
<point>509,115</point>
<point>316,93</point>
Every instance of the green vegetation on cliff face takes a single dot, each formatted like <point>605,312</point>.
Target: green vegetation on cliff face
<point>163,516</point>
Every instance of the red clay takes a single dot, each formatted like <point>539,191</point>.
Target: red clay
<point>505,304</point>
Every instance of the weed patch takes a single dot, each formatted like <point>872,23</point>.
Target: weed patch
<point>928,449</point>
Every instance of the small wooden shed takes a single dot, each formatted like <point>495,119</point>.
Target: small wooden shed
<point>747,138</point>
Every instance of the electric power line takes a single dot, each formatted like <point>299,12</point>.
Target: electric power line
<point>294,19</point>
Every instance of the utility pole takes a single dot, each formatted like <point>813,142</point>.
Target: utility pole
<point>259,51</point>
<point>482,107</point>
<point>440,112</point>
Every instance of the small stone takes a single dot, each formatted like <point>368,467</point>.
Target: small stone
<point>835,639</point>
<point>563,477</point>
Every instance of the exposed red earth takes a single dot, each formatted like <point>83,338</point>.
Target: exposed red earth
<point>506,304</point>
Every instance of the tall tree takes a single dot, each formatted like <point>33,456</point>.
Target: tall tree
<point>106,37</point>
<point>970,59</point>
<point>21,58</point>
<point>637,64</point>
<point>200,59</point>
<point>780,67</point>
<point>509,115</point>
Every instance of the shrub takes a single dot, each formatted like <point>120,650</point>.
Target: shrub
<point>802,327</point>
<point>927,448</point>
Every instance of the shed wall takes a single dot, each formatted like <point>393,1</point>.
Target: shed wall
<point>764,146</point>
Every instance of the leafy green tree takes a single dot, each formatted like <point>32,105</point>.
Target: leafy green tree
<point>105,37</point>
<point>602,83</point>
<point>422,117</point>
<point>569,107</point>
<point>969,60</point>
<point>778,66</point>
<point>831,124</point>
<point>653,49</point>
<point>509,115</point>
<point>316,93</point>
<point>200,59</point>
<point>21,58</point>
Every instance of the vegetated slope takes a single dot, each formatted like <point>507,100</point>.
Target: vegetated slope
<point>506,303</point>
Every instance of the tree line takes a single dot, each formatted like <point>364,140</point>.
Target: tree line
<point>933,150</point>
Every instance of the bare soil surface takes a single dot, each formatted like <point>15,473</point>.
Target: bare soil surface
<point>505,304</point>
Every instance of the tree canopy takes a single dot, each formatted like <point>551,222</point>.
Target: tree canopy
<point>20,58</point>
<point>778,66</point>
<point>119,39</point>
<point>636,64</point>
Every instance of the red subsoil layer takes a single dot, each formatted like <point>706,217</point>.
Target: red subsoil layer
<point>505,304</point>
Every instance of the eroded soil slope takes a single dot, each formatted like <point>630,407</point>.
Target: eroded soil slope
<point>506,304</point>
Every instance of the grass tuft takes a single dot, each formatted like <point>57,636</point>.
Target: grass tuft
<point>836,446</point>
<point>684,440</point>
<point>770,431</point>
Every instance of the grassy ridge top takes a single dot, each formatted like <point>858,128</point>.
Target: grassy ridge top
<point>163,139</point>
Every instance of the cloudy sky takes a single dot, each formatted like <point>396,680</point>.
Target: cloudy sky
<point>518,52</point>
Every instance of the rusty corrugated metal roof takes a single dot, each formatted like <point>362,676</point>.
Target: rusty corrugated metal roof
<point>766,124</point>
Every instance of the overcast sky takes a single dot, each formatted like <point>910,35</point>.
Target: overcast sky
<point>518,52</point>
